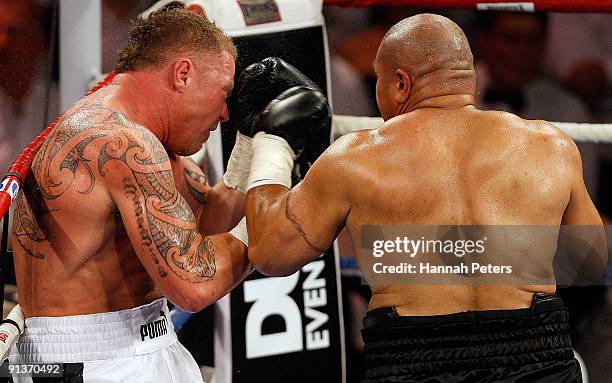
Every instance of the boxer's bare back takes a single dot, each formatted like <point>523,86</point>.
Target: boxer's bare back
<point>463,166</point>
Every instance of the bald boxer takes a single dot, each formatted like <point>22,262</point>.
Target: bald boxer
<point>114,218</point>
<point>437,160</point>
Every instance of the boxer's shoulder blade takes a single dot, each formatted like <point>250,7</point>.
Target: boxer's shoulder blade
<point>440,165</point>
<point>537,137</point>
<point>558,139</point>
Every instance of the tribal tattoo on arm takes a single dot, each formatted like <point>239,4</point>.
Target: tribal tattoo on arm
<point>94,141</point>
<point>197,185</point>
<point>297,224</point>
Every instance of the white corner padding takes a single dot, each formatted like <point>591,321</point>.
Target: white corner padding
<point>255,17</point>
<point>10,330</point>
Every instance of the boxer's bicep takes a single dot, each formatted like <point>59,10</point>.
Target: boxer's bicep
<point>580,209</point>
<point>302,224</point>
<point>316,214</point>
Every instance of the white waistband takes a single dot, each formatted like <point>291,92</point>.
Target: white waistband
<point>82,338</point>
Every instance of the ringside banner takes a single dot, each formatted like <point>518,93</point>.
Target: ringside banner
<point>269,329</point>
<point>288,323</point>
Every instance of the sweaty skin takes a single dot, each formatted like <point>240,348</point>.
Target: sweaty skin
<point>109,219</point>
<point>436,160</point>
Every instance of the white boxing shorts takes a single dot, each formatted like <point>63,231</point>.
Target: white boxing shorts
<point>136,345</point>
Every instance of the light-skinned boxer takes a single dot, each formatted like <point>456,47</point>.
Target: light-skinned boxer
<point>113,219</point>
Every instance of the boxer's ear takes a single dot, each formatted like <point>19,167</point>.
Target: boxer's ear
<point>404,85</point>
<point>181,71</point>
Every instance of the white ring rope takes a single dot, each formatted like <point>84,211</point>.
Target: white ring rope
<point>601,133</point>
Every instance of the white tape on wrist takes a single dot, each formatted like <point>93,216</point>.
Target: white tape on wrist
<point>271,161</point>
<point>240,231</point>
<point>10,329</point>
<point>239,164</point>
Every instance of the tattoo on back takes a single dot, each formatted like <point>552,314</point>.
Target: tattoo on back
<point>94,143</point>
<point>28,232</point>
<point>297,224</point>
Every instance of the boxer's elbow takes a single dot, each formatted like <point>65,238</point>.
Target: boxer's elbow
<point>258,259</point>
<point>270,263</point>
<point>192,300</point>
<point>189,306</point>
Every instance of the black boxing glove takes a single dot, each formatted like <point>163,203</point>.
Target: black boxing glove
<point>283,129</point>
<point>258,85</point>
<point>295,115</point>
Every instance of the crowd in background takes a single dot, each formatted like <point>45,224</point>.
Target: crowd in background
<point>556,67</point>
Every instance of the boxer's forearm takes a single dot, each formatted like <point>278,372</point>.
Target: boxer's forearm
<point>231,267</point>
<point>223,210</point>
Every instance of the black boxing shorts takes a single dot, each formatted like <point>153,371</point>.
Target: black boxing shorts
<point>523,345</point>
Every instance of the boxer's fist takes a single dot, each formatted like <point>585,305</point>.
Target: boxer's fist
<point>258,85</point>
<point>295,115</point>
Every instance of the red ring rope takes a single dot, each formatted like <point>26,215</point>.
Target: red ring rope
<point>537,5</point>
<point>11,183</point>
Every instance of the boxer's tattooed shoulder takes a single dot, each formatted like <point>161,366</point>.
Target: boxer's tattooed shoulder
<point>297,224</point>
<point>63,155</point>
<point>29,233</point>
<point>80,150</point>
<point>197,185</point>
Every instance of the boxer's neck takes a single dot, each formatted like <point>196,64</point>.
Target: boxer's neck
<point>143,100</point>
<point>441,89</point>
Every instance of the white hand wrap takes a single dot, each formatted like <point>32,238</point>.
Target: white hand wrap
<point>240,231</point>
<point>271,161</point>
<point>239,163</point>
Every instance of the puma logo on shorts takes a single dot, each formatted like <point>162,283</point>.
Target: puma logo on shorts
<point>155,328</point>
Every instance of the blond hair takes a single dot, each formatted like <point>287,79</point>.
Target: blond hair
<point>170,32</point>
